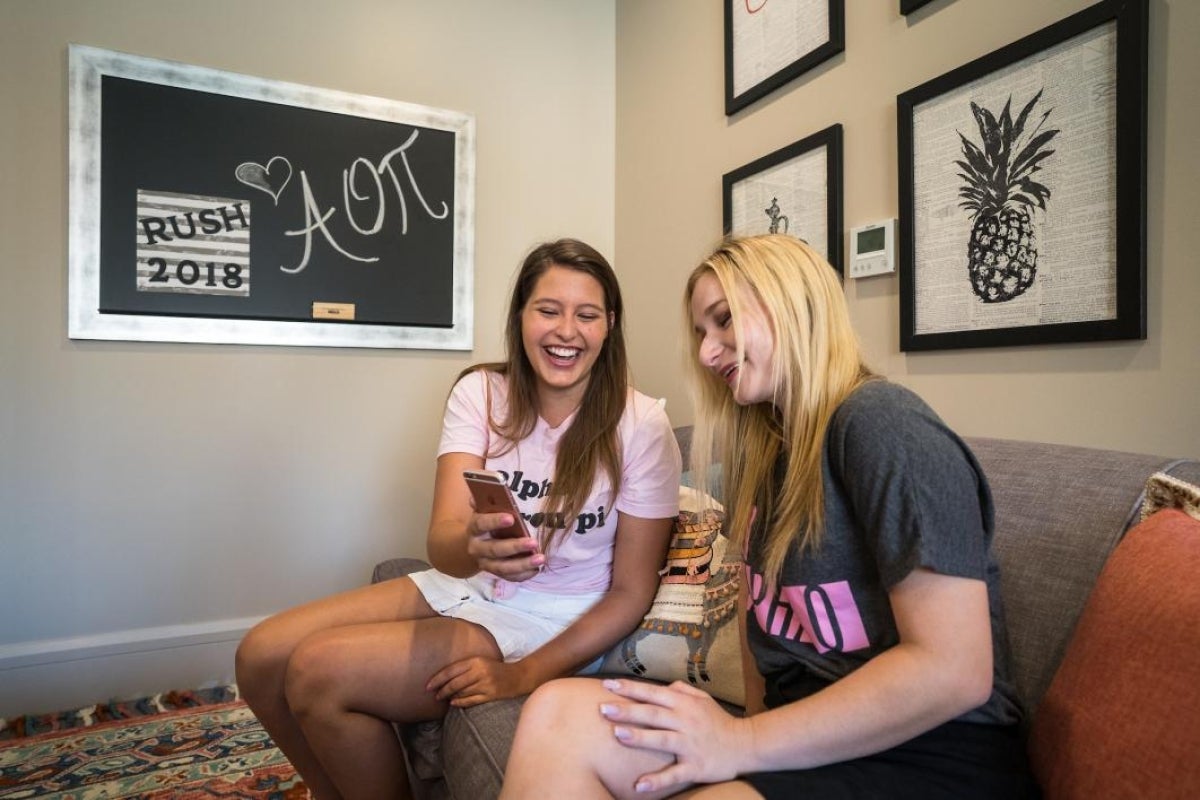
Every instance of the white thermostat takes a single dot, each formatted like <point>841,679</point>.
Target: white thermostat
<point>873,249</point>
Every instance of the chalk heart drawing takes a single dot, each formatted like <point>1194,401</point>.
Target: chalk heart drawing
<point>270,179</point>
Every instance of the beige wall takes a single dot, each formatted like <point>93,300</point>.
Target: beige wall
<point>165,491</point>
<point>674,142</point>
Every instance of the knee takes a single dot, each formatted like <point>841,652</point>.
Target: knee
<point>259,657</point>
<point>560,703</point>
<point>562,717</point>
<point>311,678</point>
<point>263,659</point>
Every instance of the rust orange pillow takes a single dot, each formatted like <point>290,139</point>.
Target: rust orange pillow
<point>1121,718</point>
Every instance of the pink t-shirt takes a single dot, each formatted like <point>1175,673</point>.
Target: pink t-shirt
<point>582,560</point>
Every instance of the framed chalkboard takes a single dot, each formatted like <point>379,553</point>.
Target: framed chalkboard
<point>207,206</point>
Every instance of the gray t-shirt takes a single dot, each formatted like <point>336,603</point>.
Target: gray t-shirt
<point>901,491</point>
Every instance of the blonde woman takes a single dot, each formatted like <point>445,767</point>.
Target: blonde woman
<point>595,469</point>
<point>876,659</point>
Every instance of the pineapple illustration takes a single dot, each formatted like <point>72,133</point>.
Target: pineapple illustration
<point>999,191</point>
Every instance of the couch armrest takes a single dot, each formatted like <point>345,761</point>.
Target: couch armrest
<point>396,568</point>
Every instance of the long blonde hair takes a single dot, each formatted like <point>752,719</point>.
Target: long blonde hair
<point>591,443</point>
<point>816,364</point>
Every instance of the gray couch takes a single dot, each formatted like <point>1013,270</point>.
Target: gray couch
<point>1059,512</point>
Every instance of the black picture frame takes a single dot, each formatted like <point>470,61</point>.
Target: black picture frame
<point>796,171</point>
<point>1092,289</point>
<point>777,68</point>
<point>213,207</point>
<point>909,6</point>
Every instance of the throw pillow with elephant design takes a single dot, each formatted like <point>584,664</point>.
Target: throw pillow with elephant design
<point>691,633</point>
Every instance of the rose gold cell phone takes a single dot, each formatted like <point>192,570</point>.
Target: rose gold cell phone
<point>492,496</point>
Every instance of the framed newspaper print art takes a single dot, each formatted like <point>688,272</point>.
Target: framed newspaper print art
<point>207,206</point>
<point>1023,190</point>
<point>796,190</point>
<point>771,42</point>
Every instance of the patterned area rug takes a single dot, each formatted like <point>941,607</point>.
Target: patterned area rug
<point>205,751</point>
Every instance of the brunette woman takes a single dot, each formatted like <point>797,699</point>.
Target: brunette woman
<point>595,469</point>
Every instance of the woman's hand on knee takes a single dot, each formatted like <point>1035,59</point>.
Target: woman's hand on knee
<point>682,721</point>
<point>478,680</point>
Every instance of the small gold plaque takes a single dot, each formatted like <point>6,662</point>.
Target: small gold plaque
<point>333,311</point>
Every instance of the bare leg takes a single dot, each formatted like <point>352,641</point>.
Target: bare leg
<point>346,685</point>
<point>264,656</point>
<point>565,748</point>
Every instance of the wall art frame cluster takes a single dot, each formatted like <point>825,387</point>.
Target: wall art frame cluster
<point>1022,175</point>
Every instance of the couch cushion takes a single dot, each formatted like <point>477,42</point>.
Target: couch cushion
<point>691,633</point>
<point>1060,510</point>
<point>475,746</point>
<point>1121,716</point>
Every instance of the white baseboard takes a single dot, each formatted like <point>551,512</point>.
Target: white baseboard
<point>137,640</point>
<point>51,675</point>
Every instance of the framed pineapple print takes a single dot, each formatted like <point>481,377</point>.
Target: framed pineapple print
<point>795,190</point>
<point>1023,190</point>
<point>769,43</point>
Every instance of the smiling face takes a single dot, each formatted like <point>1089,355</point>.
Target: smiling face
<point>749,377</point>
<point>563,327</point>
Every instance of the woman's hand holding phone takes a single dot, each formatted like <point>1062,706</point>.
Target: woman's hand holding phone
<point>499,541</point>
<point>513,559</point>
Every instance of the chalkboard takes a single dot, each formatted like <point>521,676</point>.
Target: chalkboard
<point>210,206</point>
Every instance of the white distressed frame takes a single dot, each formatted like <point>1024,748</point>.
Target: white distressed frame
<point>84,321</point>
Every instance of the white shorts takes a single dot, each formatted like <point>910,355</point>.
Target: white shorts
<point>521,621</point>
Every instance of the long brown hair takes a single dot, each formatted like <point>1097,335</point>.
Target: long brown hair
<point>817,363</point>
<point>591,441</point>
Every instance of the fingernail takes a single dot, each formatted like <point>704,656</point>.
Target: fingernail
<point>624,734</point>
<point>607,709</point>
<point>611,684</point>
<point>539,559</point>
<point>642,786</point>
